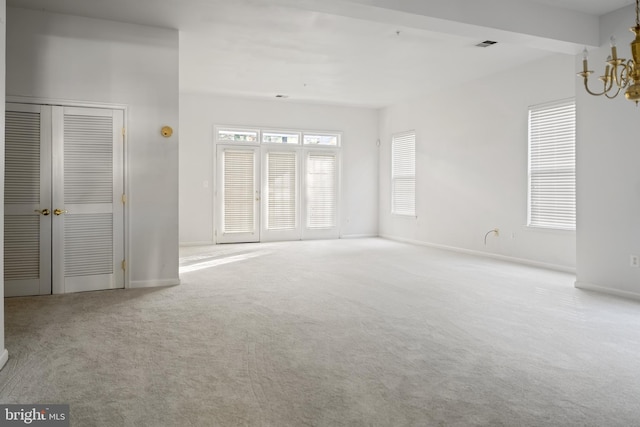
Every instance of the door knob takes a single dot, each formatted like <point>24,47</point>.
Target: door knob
<point>59,212</point>
<point>44,212</point>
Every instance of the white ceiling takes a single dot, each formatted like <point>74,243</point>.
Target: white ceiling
<point>592,7</point>
<point>261,48</point>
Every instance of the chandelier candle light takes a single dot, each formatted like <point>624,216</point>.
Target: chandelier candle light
<point>619,73</point>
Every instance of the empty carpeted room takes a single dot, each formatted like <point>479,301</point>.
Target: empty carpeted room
<point>320,213</point>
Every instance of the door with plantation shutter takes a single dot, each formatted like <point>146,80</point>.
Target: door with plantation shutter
<point>321,195</point>
<point>239,194</point>
<point>64,219</point>
<point>27,202</point>
<point>88,229</point>
<point>280,207</point>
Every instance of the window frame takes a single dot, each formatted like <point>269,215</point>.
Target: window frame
<point>396,138</point>
<point>302,152</point>
<point>565,144</point>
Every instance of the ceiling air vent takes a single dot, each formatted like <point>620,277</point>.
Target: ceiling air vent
<point>486,43</point>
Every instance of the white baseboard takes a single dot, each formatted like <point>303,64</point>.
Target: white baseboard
<point>139,284</point>
<point>524,261</point>
<point>188,244</point>
<point>603,290</point>
<point>358,236</point>
<point>4,357</point>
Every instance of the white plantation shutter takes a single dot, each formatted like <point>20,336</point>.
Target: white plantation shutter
<point>552,170</point>
<point>238,191</point>
<point>281,190</point>
<point>403,173</point>
<point>321,190</point>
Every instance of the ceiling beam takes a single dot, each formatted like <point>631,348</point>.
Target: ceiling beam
<point>510,21</point>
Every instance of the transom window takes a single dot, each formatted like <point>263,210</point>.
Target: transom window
<point>280,138</point>
<point>237,135</point>
<point>285,137</point>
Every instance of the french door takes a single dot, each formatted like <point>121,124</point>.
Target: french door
<point>269,193</point>
<point>239,194</point>
<point>64,179</point>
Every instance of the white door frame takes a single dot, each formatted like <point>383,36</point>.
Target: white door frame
<point>125,154</point>
<point>267,235</point>
<point>243,237</point>
<point>302,151</point>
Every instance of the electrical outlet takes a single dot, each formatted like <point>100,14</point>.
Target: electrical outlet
<point>634,261</point>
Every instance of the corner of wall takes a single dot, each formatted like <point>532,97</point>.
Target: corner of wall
<point>4,354</point>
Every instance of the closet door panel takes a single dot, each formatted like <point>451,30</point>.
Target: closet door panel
<point>88,213</point>
<point>27,222</point>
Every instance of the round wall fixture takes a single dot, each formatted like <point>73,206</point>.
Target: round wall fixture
<point>166,131</point>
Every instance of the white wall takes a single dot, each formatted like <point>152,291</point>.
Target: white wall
<point>198,115</point>
<point>608,175</point>
<point>472,164</point>
<point>72,58</point>
<point>4,355</point>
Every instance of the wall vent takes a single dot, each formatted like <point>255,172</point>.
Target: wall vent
<point>486,43</point>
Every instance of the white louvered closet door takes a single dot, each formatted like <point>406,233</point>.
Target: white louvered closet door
<point>87,211</point>
<point>280,210</point>
<point>27,232</point>
<point>239,194</point>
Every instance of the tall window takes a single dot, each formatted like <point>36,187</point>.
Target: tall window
<point>552,165</point>
<point>403,173</point>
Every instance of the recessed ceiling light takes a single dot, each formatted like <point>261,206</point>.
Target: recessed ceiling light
<point>486,43</point>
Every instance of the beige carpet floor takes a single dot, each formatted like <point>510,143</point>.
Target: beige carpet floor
<point>364,332</point>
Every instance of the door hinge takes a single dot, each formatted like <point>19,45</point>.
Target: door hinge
<point>124,199</point>
<point>124,264</point>
<point>124,132</point>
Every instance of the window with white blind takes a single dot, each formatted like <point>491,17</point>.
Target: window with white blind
<point>321,191</point>
<point>552,167</point>
<point>403,173</point>
<point>282,190</point>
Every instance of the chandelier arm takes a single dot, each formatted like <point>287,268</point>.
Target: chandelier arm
<point>626,71</point>
<point>586,86</point>
<point>606,93</point>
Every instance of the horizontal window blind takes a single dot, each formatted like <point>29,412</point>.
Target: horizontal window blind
<point>552,169</point>
<point>403,173</point>
<point>282,192</point>
<point>321,190</point>
<point>239,191</point>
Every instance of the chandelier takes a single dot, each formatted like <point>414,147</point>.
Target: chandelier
<point>619,73</point>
